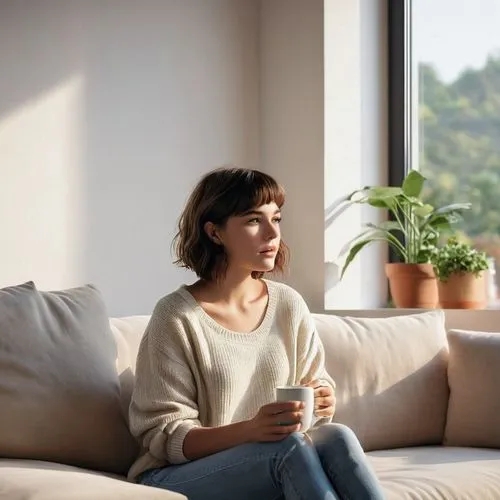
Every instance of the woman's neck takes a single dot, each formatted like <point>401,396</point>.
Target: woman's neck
<point>231,290</point>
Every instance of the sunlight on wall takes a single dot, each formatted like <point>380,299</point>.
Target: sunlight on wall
<point>355,145</point>
<point>342,148</point>
<point>40,188</point>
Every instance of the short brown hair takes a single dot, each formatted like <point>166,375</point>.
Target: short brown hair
<point>220,194</point>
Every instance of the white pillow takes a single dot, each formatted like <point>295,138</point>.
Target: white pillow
<point>59,390</point>
<point>392,386</point>
<point>474,378</point>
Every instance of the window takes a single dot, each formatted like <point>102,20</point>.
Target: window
<point>445,106</point>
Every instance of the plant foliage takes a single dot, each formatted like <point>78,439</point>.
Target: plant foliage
<point>458,257</point>
<point>413,227</point>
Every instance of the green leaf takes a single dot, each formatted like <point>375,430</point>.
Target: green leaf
<point>349,244</point>
<point>413,184</point>
<point>387,225</point>
<point>430,234</point>
<point>390,203</point>
<point>457,257</point>
<point>378,203</point>
<point>384,232</point>
<point>443,217</point>
<point>444,221</point>
<point>385,237</point>
<point>377,196</point>
<point>413,202</point>
<point>353,252</point>
<point>423,211</point>
<point>357,196</point>
<point>454,207</point>
<point>384,192</point>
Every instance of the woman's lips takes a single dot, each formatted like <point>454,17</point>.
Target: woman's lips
<point>268,251</point>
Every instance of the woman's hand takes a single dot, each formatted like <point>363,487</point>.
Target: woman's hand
<point>275,421</point>
<point>324,398</point>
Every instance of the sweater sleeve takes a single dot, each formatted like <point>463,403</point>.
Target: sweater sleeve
<point>163,407</point>
<point>311,357</point>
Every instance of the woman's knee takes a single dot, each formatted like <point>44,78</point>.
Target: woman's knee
<point>338,435</point>
<point>342,432</point>
<point>294,442</point>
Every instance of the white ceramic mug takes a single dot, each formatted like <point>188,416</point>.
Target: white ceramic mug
<point>299,393</point>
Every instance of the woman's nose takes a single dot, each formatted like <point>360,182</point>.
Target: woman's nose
<point>272,231</point>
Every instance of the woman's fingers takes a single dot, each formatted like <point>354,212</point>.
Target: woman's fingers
<point>323,391</point>
<point>285,429</point>
<point>325,412</point>
<point>286,418</point>
<point>324,402</point>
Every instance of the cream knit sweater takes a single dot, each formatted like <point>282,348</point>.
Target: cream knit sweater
<point>192,372</point>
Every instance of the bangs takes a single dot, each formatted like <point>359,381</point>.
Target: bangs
<point>249,189</point>
<point>261,190</point>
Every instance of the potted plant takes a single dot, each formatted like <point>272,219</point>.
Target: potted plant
<point>412,231</point>
<point>460,270</point>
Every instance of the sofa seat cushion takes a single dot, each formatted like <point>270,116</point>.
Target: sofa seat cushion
<point>436,472</point>
<point>36,480</point>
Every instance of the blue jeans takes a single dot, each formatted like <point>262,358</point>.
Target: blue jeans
<point>334,467</point>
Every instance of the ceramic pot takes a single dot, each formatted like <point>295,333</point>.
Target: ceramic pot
<point>463,291</point>
<point>412,285</point>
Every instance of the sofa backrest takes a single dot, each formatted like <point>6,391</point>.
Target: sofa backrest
<point>391,376</point>
<point>486,320</point>
<point>128,332</point>
<point>380,377</point>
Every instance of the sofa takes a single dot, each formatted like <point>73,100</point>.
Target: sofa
<point>421,389</point>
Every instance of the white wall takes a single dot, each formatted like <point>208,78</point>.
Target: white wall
<point>343,173</point>
<point>109,113</point>
<point>374,139</point>
<point>324,134</point>
<point>356,144</point>
<point>292,133</point>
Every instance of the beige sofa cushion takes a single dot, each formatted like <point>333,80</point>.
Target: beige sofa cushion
<point>59,391</point>
<point>392,387</point>
<point>33,480</point>
<point>438,473</point>
<point>127,332</point>
<point>474,378</point>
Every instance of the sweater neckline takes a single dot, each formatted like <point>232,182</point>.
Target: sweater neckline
<point>260,329</point>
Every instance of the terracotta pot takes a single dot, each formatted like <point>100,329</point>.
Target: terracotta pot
<point>463,291</point>
<point>412,285</point>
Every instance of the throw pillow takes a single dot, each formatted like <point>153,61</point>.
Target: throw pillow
<point>474,378</point>
<point>392,387</point>
<point>59,390</point>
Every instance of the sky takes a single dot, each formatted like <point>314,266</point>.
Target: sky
<point>455,34</point>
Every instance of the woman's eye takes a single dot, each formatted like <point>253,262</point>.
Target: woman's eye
<point>257,220</point>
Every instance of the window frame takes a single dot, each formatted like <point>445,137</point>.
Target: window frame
<point>400,90</point>
<point>400,119</point>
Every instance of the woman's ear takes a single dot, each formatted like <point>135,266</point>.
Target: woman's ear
<point>211,231</point>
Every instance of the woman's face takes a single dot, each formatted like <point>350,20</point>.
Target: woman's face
<point>251,240</point>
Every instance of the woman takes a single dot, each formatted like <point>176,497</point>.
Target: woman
<point>203,406</point>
